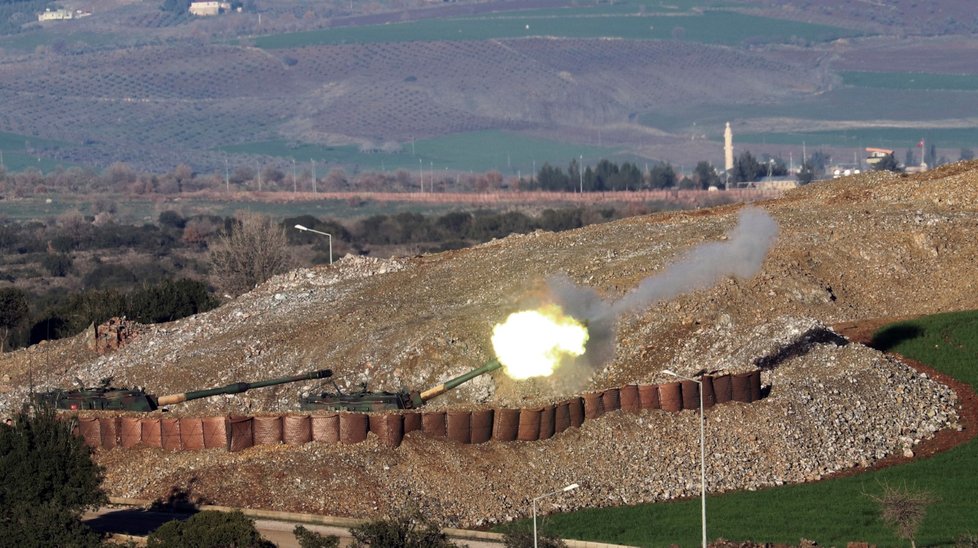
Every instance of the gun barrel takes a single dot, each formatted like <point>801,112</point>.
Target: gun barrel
<point>434,391</point>
<point>239,387</point>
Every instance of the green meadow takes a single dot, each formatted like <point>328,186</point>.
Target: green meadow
<point>713,27</point>
<point>17,152</point>
<point>476,151</point>
<point>911,80</point>
<point>897,138</point>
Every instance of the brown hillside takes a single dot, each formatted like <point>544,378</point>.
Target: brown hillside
<point>877,245</point>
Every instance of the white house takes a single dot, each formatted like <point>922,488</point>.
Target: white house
<point>55,15</point>
<point>209,8</point>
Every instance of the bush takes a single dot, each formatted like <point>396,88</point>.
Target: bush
<point>406,530</point>
<point>904,510</point>
<point>309,539</point>
<point>252,251</point>
<point>14,311</point>
<point>170,300</point>
<point>207,529</point>
<point>49,479</point>
<point>523,538</point>
<point>107,276</point>
<point>172,219</point>
<point>57,264</point>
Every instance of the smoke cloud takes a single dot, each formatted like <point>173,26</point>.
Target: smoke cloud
<point>740,255</point>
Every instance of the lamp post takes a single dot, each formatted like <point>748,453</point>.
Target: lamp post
<point>702,451</point>
<point>570,487</point>
<point>330,236</point>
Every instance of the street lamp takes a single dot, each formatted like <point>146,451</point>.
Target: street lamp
<point>330,236</point>
<point>702,450</point>
<point>570,487</point>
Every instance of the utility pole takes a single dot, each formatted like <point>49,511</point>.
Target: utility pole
<point>580,170</point>
<point>295,187</point>
<point>313,175</point>
<point>227,178</point>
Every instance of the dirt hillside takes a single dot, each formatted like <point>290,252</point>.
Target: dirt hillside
<point>877,245</point>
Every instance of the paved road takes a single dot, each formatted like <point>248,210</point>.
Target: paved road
<point>139,522</point>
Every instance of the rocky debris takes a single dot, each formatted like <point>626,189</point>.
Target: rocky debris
<point>113,334</point>
<point>876,245</point>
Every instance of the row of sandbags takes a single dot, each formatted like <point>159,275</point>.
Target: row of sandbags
<point>504,424</point>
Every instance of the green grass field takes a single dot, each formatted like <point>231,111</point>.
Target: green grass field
<point>911,80</point>
<point>831,512</point>
<point>16,151</point>
<point>896,138</point>
<point>139,211</point>
<point>476,151</point>
<point>713,27</point>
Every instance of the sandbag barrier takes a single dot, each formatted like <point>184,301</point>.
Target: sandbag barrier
<point>236,433</point>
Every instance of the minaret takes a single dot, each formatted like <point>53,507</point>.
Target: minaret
<point>728,148</point>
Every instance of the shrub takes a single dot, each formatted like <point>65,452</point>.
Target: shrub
<point>170,300</point>
<point>13,312</point>
<point>523,538</point>
<point>904,509</point>
<point>309,539</point>
<point>106,276</point>
<point>172,219</point>
<point>207,529</point>
<point>405,530</point>
<point>253,251</point>
<point>57,264</point>
<point>49,479</point>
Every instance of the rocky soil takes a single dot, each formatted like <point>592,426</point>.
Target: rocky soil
<point>877,245</point>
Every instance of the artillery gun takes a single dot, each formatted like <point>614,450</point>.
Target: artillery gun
<point>107,398</point>
<point>365,401</point>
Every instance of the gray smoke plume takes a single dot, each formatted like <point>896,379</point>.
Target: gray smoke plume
<point>703,266</point>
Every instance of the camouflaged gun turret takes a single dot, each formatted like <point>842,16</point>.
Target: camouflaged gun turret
<point>109,398</point>
<point>366,401</point>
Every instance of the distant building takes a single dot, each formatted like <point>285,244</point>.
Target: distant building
<point>209,8</point>
<point>776,182</point>
<point>874,155</point>
<point>60,15</point>
<point>728,160</point>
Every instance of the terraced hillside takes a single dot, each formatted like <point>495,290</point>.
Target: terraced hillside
<point>644,78</point>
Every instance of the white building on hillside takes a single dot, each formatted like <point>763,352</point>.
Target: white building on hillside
<point>209,8</point>
<point>59,15</point>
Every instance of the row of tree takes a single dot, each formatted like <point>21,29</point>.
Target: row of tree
<point>176,266</point>
<point>55,316</point>
<point>604,176</point>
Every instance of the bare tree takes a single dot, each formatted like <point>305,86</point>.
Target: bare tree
<point>904,509</point>
<point>253,250</point>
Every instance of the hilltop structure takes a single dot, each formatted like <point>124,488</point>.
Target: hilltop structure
<point>728,148</point>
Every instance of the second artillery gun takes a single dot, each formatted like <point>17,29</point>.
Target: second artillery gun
<point>108,398</point>
<point>365,401</point>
